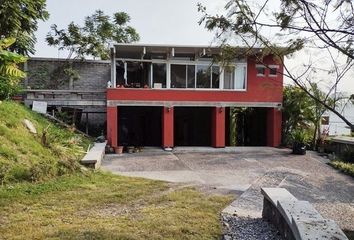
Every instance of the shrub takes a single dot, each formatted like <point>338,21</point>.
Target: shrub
<point>18,173</point>
<point>10,74</point>
<point>347,168</point>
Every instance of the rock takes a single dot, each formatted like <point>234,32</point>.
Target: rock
<point>243,228</point>
<point>29,125</point>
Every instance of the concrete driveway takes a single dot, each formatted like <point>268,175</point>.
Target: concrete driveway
<point>237,169</point>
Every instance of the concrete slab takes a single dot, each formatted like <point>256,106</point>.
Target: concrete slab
<point>274,195</point>
<point>298,210</point>
<point>321,229</point>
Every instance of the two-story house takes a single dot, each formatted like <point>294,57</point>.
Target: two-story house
<point>162,95</point>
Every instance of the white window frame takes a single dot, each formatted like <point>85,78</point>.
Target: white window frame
<point>194,63</point>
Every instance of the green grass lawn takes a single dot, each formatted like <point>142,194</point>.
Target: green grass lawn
<point>44,194</point>
<point>105,206</point>
<point>22,155</point>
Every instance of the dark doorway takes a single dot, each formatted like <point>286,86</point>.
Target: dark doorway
<point>246,127</point>
<point>139,126</point>
<point>192,126</point>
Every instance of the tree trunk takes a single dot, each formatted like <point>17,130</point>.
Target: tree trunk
<point>314,138</point>
<point>71,83</point>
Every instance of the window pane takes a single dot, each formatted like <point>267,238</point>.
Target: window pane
<point>159,75</point>
<point>120,73</point>
<point>203,76</point>
<point>138,74</point>
<point>191,76</point>
<point>229,78</point>
<point>241,77</point>
<point>260,70</point>
<point>215,77</point>
<point>273,71</point>
<point>132,73</point>
<point>178,76</point>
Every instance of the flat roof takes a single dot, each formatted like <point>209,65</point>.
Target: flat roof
<point>137,49</point>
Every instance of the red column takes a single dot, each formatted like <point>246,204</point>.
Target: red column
<point>167,127</point>
<point>218,127</point>
<point>273,127</point>
<point>112,126</point>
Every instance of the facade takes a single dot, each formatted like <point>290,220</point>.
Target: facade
<point>171,96</point>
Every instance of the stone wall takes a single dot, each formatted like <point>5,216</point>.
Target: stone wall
<point>44,73</point>
<point>47,73</point>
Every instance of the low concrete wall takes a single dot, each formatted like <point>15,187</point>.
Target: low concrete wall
<point>344,148</point>
<point>93,158</point>
<point>297,220</point>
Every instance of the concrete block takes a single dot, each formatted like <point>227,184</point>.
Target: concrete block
<point>277,194</point>
<point>299,210</point>
<point>319,229</point>
<point>95,155</point>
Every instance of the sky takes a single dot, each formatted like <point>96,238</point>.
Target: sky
<point>157,22</point>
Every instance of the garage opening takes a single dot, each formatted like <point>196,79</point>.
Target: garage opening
<point>192,126</point>
<point>139,126</point>
<point>246,126</point>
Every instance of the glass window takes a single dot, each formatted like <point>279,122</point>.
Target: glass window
<point>138,74</point>
<point>190,76</point>
<point>241,77</point>
<point>260,70</point>
<point>203,76</point>
<point>178,76</point>
<point>229,77</point>
<point>120,73</point>
<point>273,71</point>
<point>159,75</point>
<point>215,77</point>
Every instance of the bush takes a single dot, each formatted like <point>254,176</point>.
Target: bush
<point>18,173</point>
<point>347,168</point>
<point>10,74</point>
<point>298,136</point>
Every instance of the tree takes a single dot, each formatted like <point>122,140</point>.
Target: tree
<point>325,25</point>
<point>300,111</point>
<point>93,39</point>
<point>296,112</point>
<point>10,74</point>
<point>19,19</point>
<point>318,110</point>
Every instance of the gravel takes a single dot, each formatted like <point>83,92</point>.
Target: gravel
<point>245,228</point>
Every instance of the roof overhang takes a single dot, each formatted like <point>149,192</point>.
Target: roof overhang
<point>165,51</point>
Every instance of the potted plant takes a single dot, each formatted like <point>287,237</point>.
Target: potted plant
<point>119,150</point>
<point>299,142</point>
